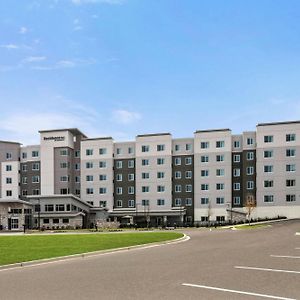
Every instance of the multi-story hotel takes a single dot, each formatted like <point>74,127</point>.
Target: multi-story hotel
<point>72,180</point>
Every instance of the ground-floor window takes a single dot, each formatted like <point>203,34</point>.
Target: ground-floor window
<point>55,221</point>
<point>204,218</point>
<point>14,223</point>
<point>65,221</point>
<point>220,218</point>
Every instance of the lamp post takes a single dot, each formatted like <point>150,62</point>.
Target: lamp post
<point>39,213</point>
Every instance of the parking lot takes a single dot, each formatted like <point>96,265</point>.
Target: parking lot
<point>218,264</point>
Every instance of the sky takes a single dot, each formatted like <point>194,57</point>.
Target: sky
<point>125,67</point>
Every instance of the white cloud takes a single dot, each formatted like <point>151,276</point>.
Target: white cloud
<point>10,46</point>
<point>23,30</point>
<point>79,2</point>
<point>126,117</point>
<point>65,64</point>
<point>32,59</point>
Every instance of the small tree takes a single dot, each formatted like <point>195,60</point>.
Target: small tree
<point>250,205</point>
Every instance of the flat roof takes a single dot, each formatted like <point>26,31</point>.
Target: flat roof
<point>212,130</point>
<point>8,142</point>
<point>153,134</point>
<point>14,201</point>
<point>74,131</point>
<point>278,123</point>
<point>98,138</point>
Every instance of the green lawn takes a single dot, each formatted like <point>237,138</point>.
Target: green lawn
<point>247,226</point>
<point>15,249</point>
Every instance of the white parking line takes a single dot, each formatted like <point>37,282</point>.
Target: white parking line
<point>297,248</point>
<point>268,270</point>
<point>236,292</point>
<point>285,256</point>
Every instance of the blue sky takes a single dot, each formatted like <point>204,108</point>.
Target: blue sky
<point>127,67</point>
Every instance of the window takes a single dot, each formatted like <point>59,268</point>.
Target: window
<point>204,200</point>
<point>220,200</point>
<point>291,137</point>
<point>119,151</point>
<point>130,203</point>
<point>220,144</point>
<point>102,151</point>
<point>35,153</point>
<point>177,175</point>
<point>131,164</point>
<point>177,147</point>
<point>220,186</point>
<point>8,180</point>
<point>160,202</point>
<point>188,201</point>
<point>204,218</point>
<point>290,182</point>
<point>35,166</point>
<point>160,188</point>
<point>90,191</point>
<point>250,185</point>
<point>204,159</point>
<point>188,174</point>
<point>177,188</point>
<point>236,144</point>
<point>65,221</point>
<point>250,170</point>
<point>250,155</point>
<point>14,223</point>
<point>220,218</point>
<point>188,160</point>
<point>64,152</point>
<point>119,191</point>
<point>188,147</point>
<point>119,203</point>
<point>236,186</point>
<point>8,168</point>
<point>160,175</point>
<point>177,201</point>
<point>236,200</point>
<point>49,207</point>
<point>102,203</point>
<point>77,153</point>
<point>89,178</point>
<point>268,169</point>
<point>204,173</point>
<point>160,161</point>
<point>250,141</point>
<point>131,177</point>
<point>89,152</point>
<point>35,192</point>
<point>160,147</point>
<point>177,161</point>
<point>145,202</point>
<point>291,168</point>
<point>119,164</point>
<point>268,198</point>
<point>204,145</point>
<point>24,168</point>
<point>145,175</point>
<point>204,187</point>
<point>35,179</point>
<point>268,183</point>
<point>188,188</point>
<point>145,148</point>
<point>220,172</point>
<point>24,155</point>
<point>145,189</point>
<point>131,190</point>
<point>268,154</point>
<point>64,178</point>
<point>64,165</point>
<point>290,152</point>
<point>77,167</point>
<point>145,162</point>
<point>102,177</point>
<point>55,221</point>
<point>24,180</point>
<point>236,172</point>
<point>268,138</point>
<point>220,158</point>
<point>102,164</point>
<point>46,221</point>
<point>59,207</point>
<point>290,198</point>
<point>89,165</point>
<point>102,190</point>
<point>236,158</point>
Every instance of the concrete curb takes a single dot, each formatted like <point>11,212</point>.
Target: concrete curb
<point>91,254</point>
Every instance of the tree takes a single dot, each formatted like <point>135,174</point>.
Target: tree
<point>250,205</point>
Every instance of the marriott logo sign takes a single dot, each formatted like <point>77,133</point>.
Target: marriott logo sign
<point>54,138</point>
